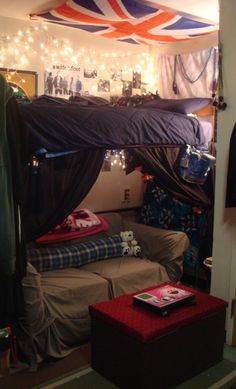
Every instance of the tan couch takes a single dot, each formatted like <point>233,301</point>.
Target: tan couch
<point>56,301</point>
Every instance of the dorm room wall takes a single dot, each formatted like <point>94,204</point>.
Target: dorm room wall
<point>108,191</point>
<point>78,40</point>
<point>223,280</point>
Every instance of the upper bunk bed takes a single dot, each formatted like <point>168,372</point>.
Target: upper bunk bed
<point>59,126</point>
<point>65,145</point>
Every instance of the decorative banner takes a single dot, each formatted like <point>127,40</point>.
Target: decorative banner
<point>128,21</point>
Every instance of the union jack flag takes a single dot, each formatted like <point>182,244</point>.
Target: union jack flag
<point>126,20</point>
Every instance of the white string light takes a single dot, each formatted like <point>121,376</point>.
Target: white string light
<point>116,158</point>
<point>17,50</point>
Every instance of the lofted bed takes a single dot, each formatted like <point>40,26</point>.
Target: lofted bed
<point>59,132</point>
<point>59,149</point>
<point>56,148</point>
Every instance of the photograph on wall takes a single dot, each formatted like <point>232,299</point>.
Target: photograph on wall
<point>103,85</point>
<point>90,86</point>
<point>144,88</point>
<point>116,88</point>
<point>63,81</point>
<point>116,75</point>
<point>136,92</point>
<point>90,73</point>
<point>127,88</point>
<point>136,80</point>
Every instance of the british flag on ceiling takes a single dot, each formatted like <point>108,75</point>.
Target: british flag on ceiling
<point>126,20</point>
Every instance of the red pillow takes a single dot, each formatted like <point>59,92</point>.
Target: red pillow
<point>78,224</point>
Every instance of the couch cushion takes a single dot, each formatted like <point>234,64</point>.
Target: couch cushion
<point>67,294</point>
<point>128,274</point>
<point>56,310</point>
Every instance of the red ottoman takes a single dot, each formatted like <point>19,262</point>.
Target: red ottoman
<point>136,348</point>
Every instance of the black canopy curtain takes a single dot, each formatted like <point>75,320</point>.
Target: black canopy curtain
<point>56,187</point>
<point>161,163</point>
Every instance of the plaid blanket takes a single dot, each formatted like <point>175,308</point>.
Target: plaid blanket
<point>51,258</point>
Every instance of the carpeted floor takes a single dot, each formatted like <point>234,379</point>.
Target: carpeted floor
<point>210,379</point>
<point>50,370</point>
<point>74,372</point>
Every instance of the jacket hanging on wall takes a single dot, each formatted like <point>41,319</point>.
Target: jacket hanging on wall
<point>231,176</point>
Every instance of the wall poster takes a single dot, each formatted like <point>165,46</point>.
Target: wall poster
<point>63,81</point>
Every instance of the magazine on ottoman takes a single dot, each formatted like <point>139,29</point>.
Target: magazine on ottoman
<point>163,298</point>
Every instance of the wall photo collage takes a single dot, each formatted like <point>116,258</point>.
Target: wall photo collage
<point>65,81</point>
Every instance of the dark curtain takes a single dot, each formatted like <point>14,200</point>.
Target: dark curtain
<point>231,176</point>
<point>11,296</point>
<point>160,162</point>
<point>56,187</point>
<point>43,197</point>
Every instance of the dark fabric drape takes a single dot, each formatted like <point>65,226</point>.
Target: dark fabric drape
<point>160,162</point>
<point>231,176</point>
<point>57,187</point>
<point>11,296</point>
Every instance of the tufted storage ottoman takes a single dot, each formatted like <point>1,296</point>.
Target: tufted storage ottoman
<point>136,348</point>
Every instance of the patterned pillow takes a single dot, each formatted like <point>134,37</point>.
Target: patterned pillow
<point>52,258</point>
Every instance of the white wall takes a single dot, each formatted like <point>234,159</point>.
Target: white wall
<point>224,244</point>
<point>108,193</point>
<point>102,51</point>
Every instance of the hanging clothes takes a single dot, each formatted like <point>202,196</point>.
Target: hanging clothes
<point>7,220</point>
<point>231,180</point>
<point>13,174</point>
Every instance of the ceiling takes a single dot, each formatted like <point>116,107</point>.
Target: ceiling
<point>133,21</point>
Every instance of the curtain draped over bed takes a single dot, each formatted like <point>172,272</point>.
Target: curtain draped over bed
<point>57,187</point>
<point>160,162</point>
<point>11,298</point>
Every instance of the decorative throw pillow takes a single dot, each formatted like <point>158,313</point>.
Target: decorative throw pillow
<point>52,258</point>
<point>184,106</point>
<point>78,224</point>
